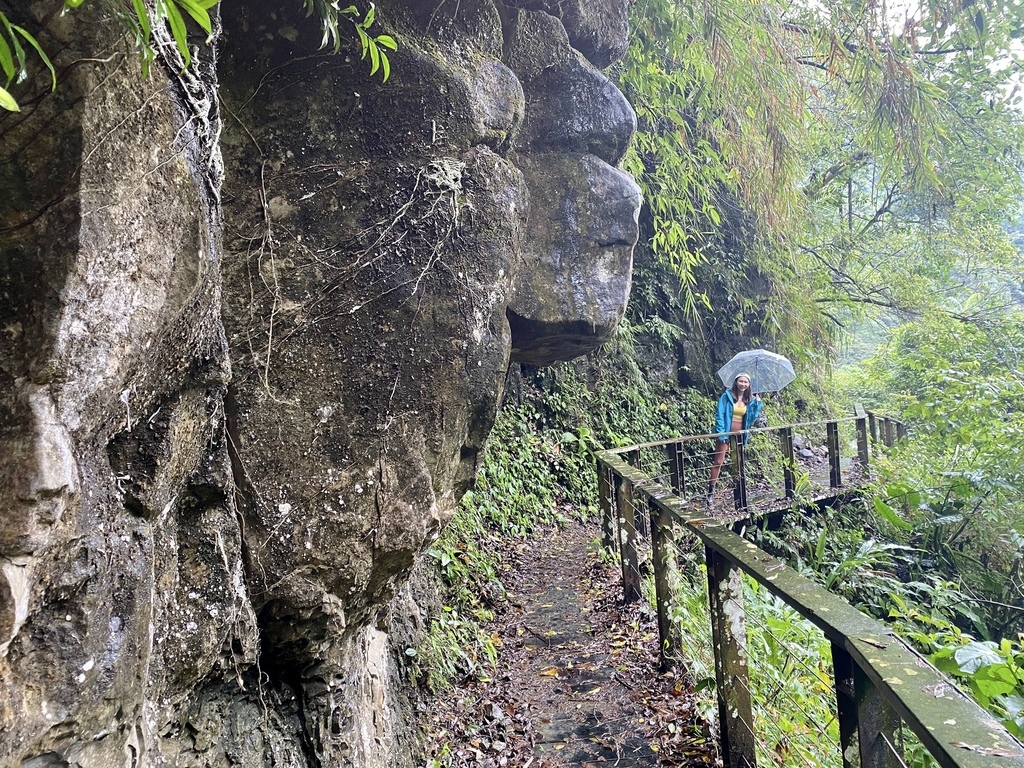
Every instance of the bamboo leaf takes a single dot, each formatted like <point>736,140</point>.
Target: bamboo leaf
<point>142,15</point>
<point>6,62</point>
<point>19,52</point>
<point>374,57</point>
<point>42,54</point>
<point>364,41</point>
<point>198,13</point>
<point>7,101</point>
<point>178,30</point>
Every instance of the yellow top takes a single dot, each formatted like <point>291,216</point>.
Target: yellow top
<point>739,410</point>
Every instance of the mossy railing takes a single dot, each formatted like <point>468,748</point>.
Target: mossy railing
<point>880,684</point>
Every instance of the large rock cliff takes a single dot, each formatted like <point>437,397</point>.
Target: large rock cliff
<point>257,316</point>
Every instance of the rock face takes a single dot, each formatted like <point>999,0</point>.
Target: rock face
<point>251,355</point>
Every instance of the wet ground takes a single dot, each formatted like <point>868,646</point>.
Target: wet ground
<point>577,681</point>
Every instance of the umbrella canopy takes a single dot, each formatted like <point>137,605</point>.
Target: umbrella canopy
<point>768,371</point>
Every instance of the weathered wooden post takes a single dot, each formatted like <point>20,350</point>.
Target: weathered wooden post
<point>633,459</point>
<point>862,439</point>
<point>789,461</point>
<point>627,540</point>
<point>607,503</point>
<point>846,705</point>
<point>867,724</point>
<point>874,427</point>
<point>676,467</point>
<point>834,470</point>
<point>889,438</point>
<point>901,430</point>
<point>729,634</point>
<point>739,471</point>
<point>664,555</point>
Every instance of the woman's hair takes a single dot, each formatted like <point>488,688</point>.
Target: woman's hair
<point>747,397</point>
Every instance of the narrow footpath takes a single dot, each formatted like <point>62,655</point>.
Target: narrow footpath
<point>577,680</point>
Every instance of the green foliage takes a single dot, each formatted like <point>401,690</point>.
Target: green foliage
<point>792,683</point>
<point>140,18</point>
<point>372,46</point>
<point>455,646</point>
<point>692,616</point>
<point>13,60</point>
<point>791,679</point>
<point>622,403</point>
<point>717,110</point>
<point>992,671</point>
<point>939,616</point>
<point>955,490</point>
<point>834,547</point>
<point>539,470</point>
<point>862,167</point>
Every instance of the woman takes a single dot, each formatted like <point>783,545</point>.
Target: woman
<point>737,410</point>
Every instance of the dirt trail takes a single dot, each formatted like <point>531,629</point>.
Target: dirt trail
<point>577,682</point>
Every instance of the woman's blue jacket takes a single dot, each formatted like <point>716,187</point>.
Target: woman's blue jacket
<point>723,415</point>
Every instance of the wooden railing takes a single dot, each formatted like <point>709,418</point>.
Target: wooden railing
<point>881,685</point>
<point>780,466</point>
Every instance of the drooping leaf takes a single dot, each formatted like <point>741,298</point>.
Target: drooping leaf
<point>19,52</point>
<point>142,16</point>
<point>178,30</point>
<point>7,101</point>
<point>196,10</point>
<point>364,41</point>
<point>6,61</point>
<point>42,54</point>
<point>374,56</point>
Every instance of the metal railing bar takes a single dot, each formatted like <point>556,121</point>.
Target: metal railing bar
<point>662,479</point>
<point>896,753</point>
<point>777,731</point>
<point>819,728</point>
<point>764,628</point>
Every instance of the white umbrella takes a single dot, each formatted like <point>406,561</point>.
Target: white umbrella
<point>768,371</point>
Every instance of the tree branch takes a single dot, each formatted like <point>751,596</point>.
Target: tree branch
<point>848,164</point>
<point>883,209</point>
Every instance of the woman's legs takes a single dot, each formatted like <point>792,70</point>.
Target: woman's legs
<point>721,449</point>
